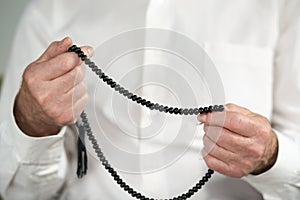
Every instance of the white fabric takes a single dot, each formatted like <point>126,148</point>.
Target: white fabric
<point>255,46</point>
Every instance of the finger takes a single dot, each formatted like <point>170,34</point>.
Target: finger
<point>69,80</point>
<point>55,48</point>
<point>80,105</point>
<point>71,115</point>
<point>67,100</point>
<point>235,122</point>
<point>217,151</point>
<point>71,105</point>
<point>216,164</point>
<point>78,91</point>
<point>224,138</point>
<point>235,108</point>
<point>62,64</point>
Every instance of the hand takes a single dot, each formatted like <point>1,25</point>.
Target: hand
<point>238,142</point>
<point>53,91</point>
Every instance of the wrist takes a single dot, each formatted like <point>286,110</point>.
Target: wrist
<point>271,157</point>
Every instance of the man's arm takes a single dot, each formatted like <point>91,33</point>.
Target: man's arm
<point>31,145</point>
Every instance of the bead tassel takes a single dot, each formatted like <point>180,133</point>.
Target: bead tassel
<point>81,152</point>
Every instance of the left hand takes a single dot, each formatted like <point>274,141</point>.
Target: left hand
<point>238,142</point>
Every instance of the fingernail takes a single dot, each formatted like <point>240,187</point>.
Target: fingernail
<point>202,118</point>
<point>90,51</point>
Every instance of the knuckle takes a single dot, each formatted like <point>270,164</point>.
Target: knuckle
<point>65,118</point>
<point>255,152</point>
<point>214,149</point>
<point>29,77</point>
<point>236,171</point>
<point>247,166</point>
<point>235,121</point>
<point>230,105</point>
<point>265,130</point>
<point>209,162</point>
<point>65,62</point>
<point>215,134</point>
<point>264,118</point>
<point>53,112</point>
<point>27,73</point>
<point>66,81</point>
<point>220,136</point>
<point>30,80</point>
<point>206,141</point>
<point>54,44</point>
<point>205,128</point>
<point>239,174</point>
<point>204,153</point>
<point>44,99</point>
<point>228,170</point>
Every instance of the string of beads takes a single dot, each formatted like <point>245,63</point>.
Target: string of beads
<point>153,106</point>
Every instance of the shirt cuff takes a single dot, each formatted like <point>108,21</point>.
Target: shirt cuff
<point>284,177</point>
<point>17,149</point>
<point>35,149</point>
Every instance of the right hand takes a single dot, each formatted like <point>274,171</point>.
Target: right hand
<point>53,91</point>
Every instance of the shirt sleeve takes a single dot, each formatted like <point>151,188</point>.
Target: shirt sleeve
<point>28,161</point>
<point>282,181</point>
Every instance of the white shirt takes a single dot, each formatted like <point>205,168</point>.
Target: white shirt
<point>255,47</point>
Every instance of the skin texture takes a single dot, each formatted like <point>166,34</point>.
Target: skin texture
<point>238,142</point>
<point>53,91</point>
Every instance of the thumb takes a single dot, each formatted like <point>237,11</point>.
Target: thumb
<point>55,48</point>
<point>235,108</point>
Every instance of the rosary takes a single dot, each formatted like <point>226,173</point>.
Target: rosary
<point>85,128</point>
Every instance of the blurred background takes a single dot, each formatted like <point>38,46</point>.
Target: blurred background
<point>10,13</point>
